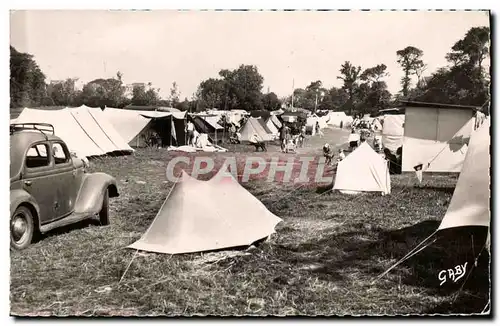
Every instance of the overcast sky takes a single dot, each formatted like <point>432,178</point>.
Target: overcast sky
<point>190,46</point>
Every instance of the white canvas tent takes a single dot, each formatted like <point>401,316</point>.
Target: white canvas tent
<point>135,126</point>
<point>84,129</point>
<point>207,215</point>
<point>128,123</point>
<point>253,126</point>
<point>276,121</point>
<point>323,122</point>
<point>108,128</point>
<point>363,171</point>
<point>393,131</point>
<point>311,125</point>
<point>67,128</point>
<point>272,127</point>
<point>436,136</point>
<point>97,127</point>
<point>470,203</point>
<point>339,119</point>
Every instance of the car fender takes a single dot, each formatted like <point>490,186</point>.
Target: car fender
<point>21,196</point>
<point>92,192</point>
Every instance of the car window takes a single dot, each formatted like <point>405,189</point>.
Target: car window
<point>37,156</point>
<point>60,155</point>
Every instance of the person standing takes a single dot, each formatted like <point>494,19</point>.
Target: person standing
<point>190,133</point>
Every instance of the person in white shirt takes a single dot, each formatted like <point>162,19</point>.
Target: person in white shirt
<point>190,133</point>
<point>257,142</point>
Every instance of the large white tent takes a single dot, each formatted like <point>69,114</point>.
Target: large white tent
<point>207,215</point>
<point>99,129</point>
<point>79,129</point>
<point>436,136</point>
<point>393,131</point>
<point>470,204</point>
<point>363,171</point>
<point>135,126</point>
<point>128,123</point>
<point>98,115</point>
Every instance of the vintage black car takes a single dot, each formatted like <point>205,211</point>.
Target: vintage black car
<point>49,188</point>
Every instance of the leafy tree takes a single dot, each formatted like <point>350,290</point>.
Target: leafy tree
<point>235,89</point>
<point>183,106</point>
<point>101,92</point>
<point>350,75</point>
<point>374,74</point>
<point>152,96</point>
<point>65,93</point>
<point>271,101</point>
<point>212,92</point>
<point>27,81</point>
<point>244,88</point>
<point>410,59</point>
<point>472,49</point>
<point>335,99</point>
<point>465,82</point>
<point>141,96</point>
<point>373,94</point>
<point>174,95</point>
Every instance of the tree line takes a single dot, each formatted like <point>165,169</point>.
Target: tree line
<point>463,81</point>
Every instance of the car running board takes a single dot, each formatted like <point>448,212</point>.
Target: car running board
<point>70,219</point>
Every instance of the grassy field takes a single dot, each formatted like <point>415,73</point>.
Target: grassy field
<point>321,261</point>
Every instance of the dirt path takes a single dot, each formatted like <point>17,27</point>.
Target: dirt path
<point>334,136</point>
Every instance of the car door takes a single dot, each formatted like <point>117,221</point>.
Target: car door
<point>65,190</point>
<point>38,179</point>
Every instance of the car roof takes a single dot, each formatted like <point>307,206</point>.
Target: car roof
<point>20,141</point>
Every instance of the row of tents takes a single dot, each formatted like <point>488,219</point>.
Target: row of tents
<point>94,132</point>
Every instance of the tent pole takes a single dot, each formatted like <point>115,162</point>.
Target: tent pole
<point>224,130</point>
<point>414,251</point>
<point>171,125</point>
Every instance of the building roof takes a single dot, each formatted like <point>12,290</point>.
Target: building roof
<point>413,104</point>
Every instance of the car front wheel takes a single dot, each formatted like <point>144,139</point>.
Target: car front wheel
<point>104,213</point>
<point>22,228</point>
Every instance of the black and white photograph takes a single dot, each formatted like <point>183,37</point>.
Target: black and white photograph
<point>250,163</point>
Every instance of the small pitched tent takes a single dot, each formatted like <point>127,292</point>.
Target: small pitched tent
<point>336,119</point>
<point>253,126</point>
<point>363,170</point>
<point>266,128</point>
<point>207,215</point>
<point>271,127</point>
<point>208,124</point>
<point>393,131</point>
<point>276,121</point>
